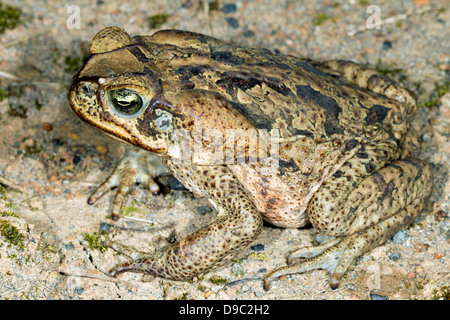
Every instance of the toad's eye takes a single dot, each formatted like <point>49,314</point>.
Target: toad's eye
<point>125,101</point>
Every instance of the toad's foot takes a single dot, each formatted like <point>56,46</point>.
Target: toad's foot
<point>336,255</point>
<point>135,167</point>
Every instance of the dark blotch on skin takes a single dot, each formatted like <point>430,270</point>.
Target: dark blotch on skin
<point>351,144</point>
<point>227,57</point>
<point>138,54</point>
<point>332,108</point>
<point>376,114</point>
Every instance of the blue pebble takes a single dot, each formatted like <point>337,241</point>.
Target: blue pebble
<point>387,45</point>
<point>68,246</point>
<point>229,8</point>
<point>399,237</point>
<point>232,22</point>
<point>394,256</point>
<point>375,296</point>
<point>104,227</point>
<point>257,247</point>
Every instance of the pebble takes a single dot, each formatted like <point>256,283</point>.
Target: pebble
<point>106,227</point>
<point>68,246</point>
<point>399,237</point>
<point>375,296</point>
<point>421,247</point>
<point>237,268</point>
<point>76,158</point>
<point>229,7</point>
<point>74,136</point>
<point>248,33</point>
<point>47,126</point>
<point>79,290</point>
<point>394,256</point>
<point>257,247</point>
<point>58,142</point>
<point>174,184</point>
<point>438,255</point>
<point>232,22</point>
<point>102,149</point>
<point>387,45</point>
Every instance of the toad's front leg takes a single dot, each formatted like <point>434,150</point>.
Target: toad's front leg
<point>238,224</point>
<point>136,166</point>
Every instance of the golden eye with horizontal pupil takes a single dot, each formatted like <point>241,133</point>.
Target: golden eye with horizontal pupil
<point>125,101</point>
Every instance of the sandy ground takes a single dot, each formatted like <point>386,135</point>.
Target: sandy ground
<point>50,161</point>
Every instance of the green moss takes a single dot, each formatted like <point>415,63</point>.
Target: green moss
<point>258,255</point>
<point>2,192</point>
<point>157,20</point>
<point>95,241</point>
<point>390,69</point>
<point>126,211</point>
<point>184,296</point>
<point>8,213</point>
<point>11,234</point>
<point>73,63</point>
<point>442,294</point>
<point>3,93</point>
<point>439,91</point>
<point>201,287</point>
<point>321,18</point>
<point>218,280</point>
<point>9,17</point>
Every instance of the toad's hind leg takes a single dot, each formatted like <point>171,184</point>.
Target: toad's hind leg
<point>370,79</point>
<point>238,223</point>
<point>377,208</point>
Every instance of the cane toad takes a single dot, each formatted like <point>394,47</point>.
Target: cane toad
<point>264,136</point>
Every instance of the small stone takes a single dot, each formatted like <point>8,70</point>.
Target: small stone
<point>375,296</point>
<point>387,45</point>
<point>441,215</point>
<point>102,149</point>
<point>257,247</point>
<point>421,247</point>
<point>399,237</point>
<point>58,142</point>
<point>74,136</point>
<point>79,290</point>
<point>248,33</point>
<point>174,184</point>
<point>245,288</point>
<point>68,246</point>
<point>229,7</point>
<point>232,22</point>
<point>237,268</point>
<point>394,256</point>
<point>104,227</point>
<point>438,255</point>
<point>47,126</point>
<point>76,158</point>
